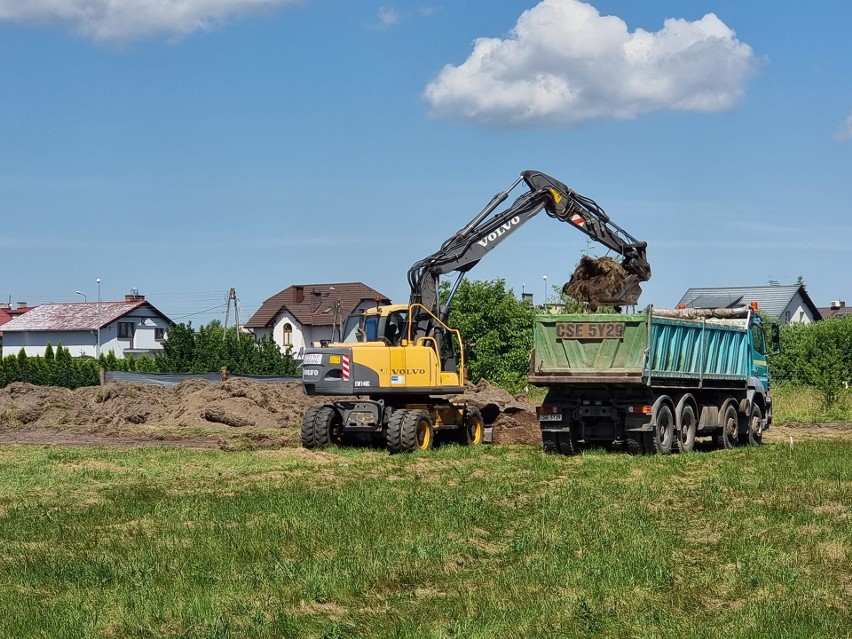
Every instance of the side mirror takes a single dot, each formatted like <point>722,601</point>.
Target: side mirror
<point>776,338</point>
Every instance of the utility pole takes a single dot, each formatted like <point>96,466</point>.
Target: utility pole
<point>232,299</point>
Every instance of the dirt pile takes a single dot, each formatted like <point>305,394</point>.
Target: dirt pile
<point>596,281</point>
<point>238,406</point>
<point>513,419</point>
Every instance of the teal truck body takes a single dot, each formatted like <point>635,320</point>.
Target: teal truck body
<point>653,381</point>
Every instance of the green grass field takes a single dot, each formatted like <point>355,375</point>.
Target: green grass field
<point>462,543</point>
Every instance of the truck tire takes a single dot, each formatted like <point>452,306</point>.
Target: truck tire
<point>754,436</point>
<point>327,427</point>
<point>561,442</point>
<point>416,432</point>
<point>685,436</point>
<point>663,433</point>
<point>727,435</point>
<point>308,429</point>
<point>473,429</point>
<point>639,443</point>
<point>394,432</point>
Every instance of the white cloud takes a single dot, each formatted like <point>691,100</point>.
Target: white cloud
<point>845,131</point>
<point>388,17</point>
<point>563,63</point>
<point>115,20</point>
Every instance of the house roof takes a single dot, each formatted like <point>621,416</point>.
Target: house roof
<point>8,314</point>
<point>833,311</point>
<point>74,316</point>
<point>771,300</point>
<point>309,303</point>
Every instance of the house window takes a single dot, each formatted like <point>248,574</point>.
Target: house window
<point>125,330</point>
<point>159,334</point>
<point>287,336</point>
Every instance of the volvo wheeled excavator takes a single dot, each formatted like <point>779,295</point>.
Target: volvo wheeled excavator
<point>396,364</point>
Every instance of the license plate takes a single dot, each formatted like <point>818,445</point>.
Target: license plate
<point>550,417</point>
<point>590,330</point>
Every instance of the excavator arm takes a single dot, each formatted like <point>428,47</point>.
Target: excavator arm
<point>485,231</point>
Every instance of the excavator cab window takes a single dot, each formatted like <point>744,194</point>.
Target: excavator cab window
<point>359,328</point>
<point>395,327</point>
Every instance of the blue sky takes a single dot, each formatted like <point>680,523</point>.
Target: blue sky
<point>186,147</point>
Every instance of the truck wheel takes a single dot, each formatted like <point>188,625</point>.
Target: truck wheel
<point>416,432</point>
<point>685,435</point>
<point>663,434</point>
<point>327,427</point>
<point>308,430</point>
<point>394,432</point>
<point>472,429</point>
<point>568,442</point>
<point>726,436</point>
<point>639,443</point>
<point>549,442</point>
<point>561,443</point>
<point>754,437</point>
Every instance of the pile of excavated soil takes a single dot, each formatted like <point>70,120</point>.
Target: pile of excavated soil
<point>128,409</point>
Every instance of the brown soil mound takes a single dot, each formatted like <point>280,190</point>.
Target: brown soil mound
<point>129,410</point>
<point>595,281</point>
<point>513,419</point>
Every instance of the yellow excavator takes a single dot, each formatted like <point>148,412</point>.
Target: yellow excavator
<point>395,364</point>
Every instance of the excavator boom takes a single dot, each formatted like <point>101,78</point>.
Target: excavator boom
<point>487,229</point>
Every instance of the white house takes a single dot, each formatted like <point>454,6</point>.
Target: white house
<point>132,327</point>
<point>306,314</point>
<point>788,304</point>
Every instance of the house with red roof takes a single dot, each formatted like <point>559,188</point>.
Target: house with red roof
<point>7,313</point>
<point>306,314</point>
<point>133,327</point>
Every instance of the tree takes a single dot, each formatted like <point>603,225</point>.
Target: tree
<point>818,355</point>
<point>497,330</point>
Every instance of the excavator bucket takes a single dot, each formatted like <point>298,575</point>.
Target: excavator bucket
<point>604,282</point>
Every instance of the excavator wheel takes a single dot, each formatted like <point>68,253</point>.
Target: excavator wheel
<point>473,429</point>
<point>416,431</point>
<point>394,431</point>
<point>308,434</point>
<point>321,427</point>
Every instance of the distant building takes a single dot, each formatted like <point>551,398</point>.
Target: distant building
<point>7,313</point>
<point>838,308</point>
<point>306,314</point>
<point>132,327</point>
<point>787,304</point>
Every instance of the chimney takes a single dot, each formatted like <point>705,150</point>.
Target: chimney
<point>5,306</point>
<point>837,304</point>
<point>134,297</point>
<point>22,305</point>
<point>299,295</point>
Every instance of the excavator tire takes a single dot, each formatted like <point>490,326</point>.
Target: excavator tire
<point>394,432</point>
<point>327,427</point>
<point>308,427</point>
<point>416,432</point>
<point>473,429</point>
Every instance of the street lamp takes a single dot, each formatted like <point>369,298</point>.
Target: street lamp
<point>98,349</point>
<point>83,294</point>
<point>544,277</point>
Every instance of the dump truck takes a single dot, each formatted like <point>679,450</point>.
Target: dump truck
<point>653,381</point>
